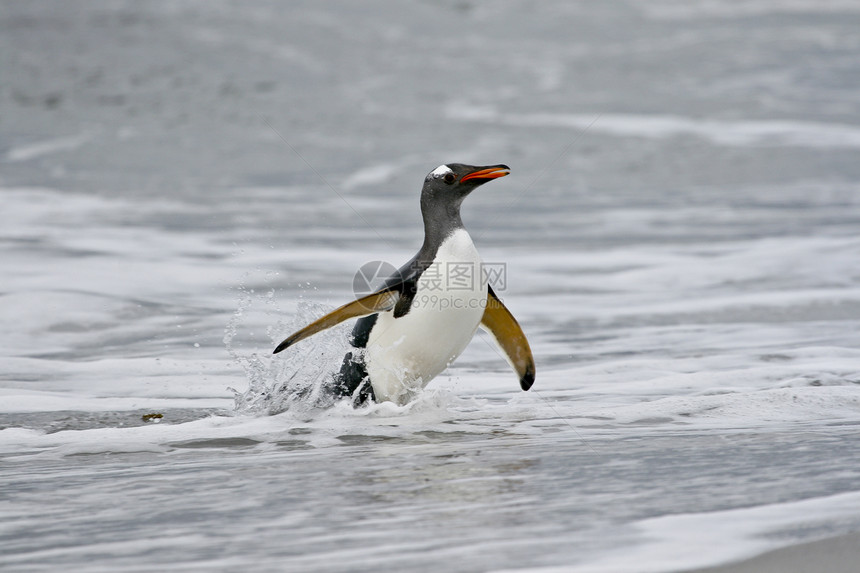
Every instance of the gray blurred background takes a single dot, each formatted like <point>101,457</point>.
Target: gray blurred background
<point>679,228</point>
<point>735,105</point>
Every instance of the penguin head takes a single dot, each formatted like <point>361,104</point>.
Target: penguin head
<point>450,183</point>
<point>444,190</point>
<point>457,178</point>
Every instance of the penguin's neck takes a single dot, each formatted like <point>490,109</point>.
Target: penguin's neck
<point>441,220</point>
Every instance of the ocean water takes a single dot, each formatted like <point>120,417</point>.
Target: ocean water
<point>185,183</point>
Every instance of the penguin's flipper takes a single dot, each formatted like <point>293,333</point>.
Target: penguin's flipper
<point>499,322</point>
<point>372,303</point>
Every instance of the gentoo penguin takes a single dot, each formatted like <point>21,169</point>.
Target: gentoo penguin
<point>420,320</point>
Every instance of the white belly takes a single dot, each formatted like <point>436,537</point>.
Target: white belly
<point>404,354</point>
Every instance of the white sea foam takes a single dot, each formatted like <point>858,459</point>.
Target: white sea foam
<point>732,133</point>
<point>685,542</point>
<point>34,150</point>
<point>372,175</point>
<point>675,10</point>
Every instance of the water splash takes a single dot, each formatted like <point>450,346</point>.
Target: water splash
<point>297,379</point>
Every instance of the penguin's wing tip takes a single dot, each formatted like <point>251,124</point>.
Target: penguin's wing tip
<point>528,379</point>
<point>499,321</point>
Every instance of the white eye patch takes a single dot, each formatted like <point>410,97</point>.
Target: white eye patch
<point>441,171</point>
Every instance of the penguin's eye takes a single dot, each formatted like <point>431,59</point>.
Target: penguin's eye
<point>449,178</point>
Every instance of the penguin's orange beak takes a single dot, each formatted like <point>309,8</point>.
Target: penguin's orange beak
<point>487,173</point>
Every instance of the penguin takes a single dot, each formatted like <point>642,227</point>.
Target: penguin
<point>421,319</point>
